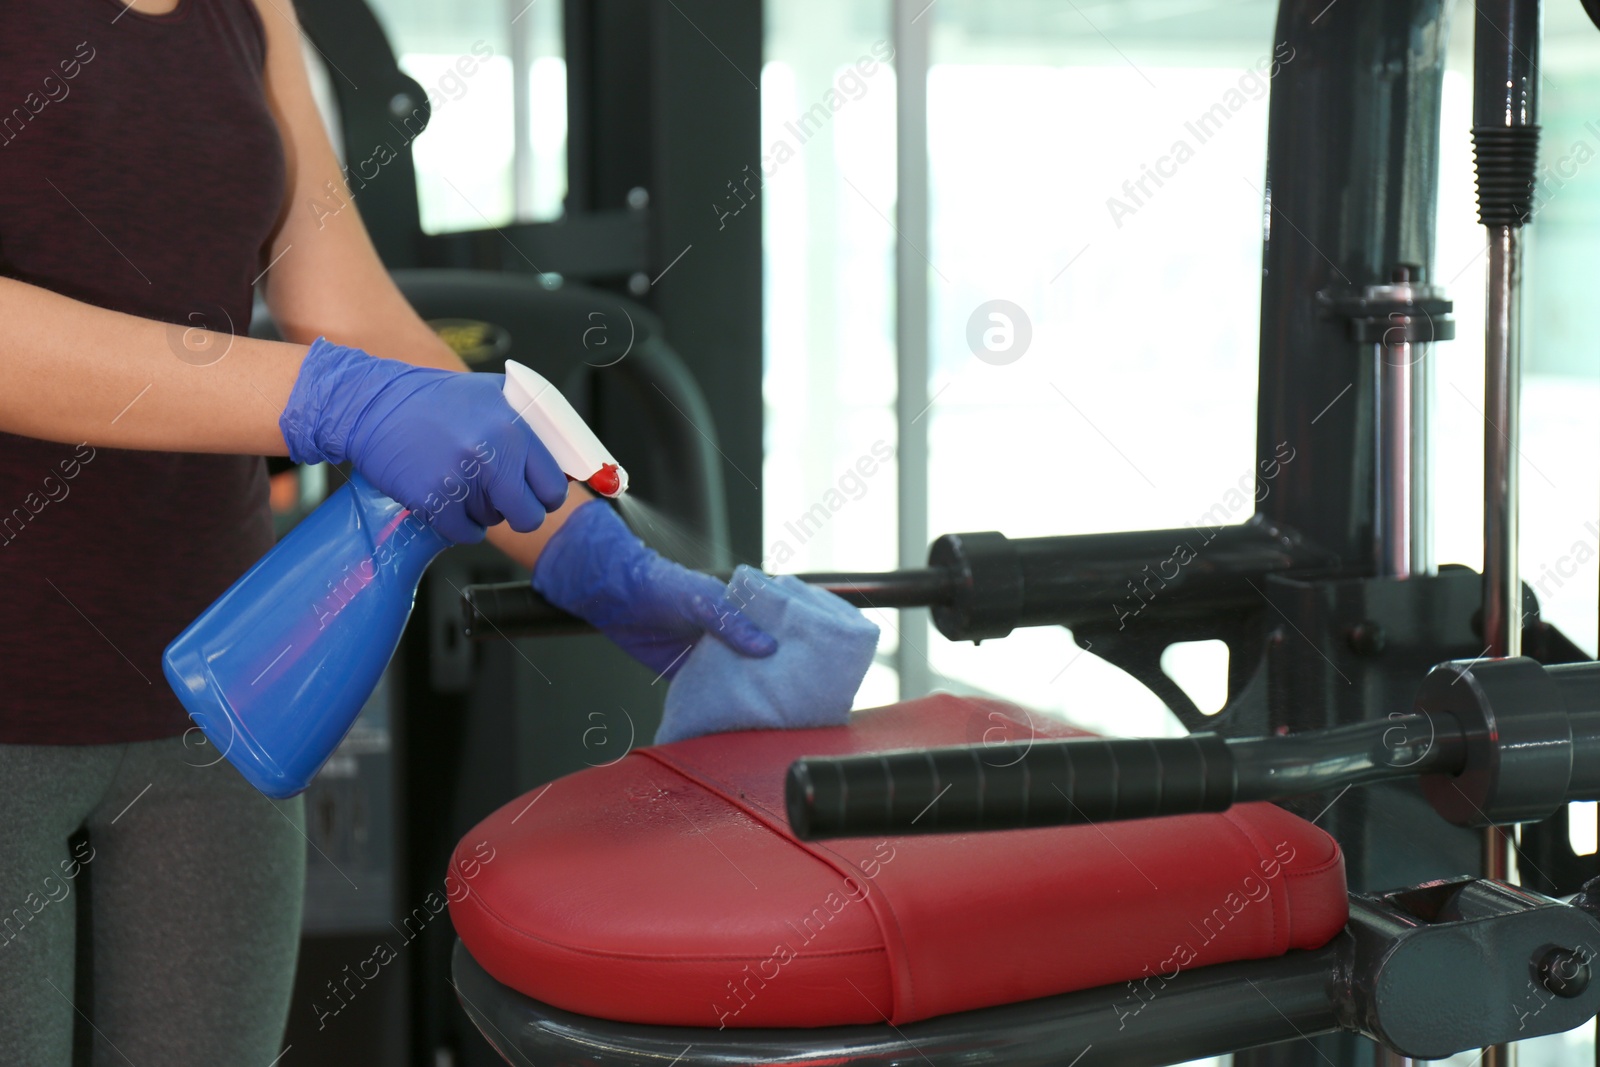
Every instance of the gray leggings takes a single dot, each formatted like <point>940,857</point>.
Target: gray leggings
<point>194,883</point>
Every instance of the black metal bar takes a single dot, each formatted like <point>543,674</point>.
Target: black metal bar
<point>1351,189</point>
<point>706,281</point>
<point>1196,1013</point>
<point>890,589</point>
<point>1090,780</point>
<point>1003,583</point>
<point>1505,107</point>
<point>1494,742</point>
<point>1401,746</point>
<point>513,609</point>
<point>632,115</point>
<point>982,585</point>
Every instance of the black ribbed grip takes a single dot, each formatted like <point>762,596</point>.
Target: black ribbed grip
<point>513,609</point>
<point>1507,161</point>
<point>999,787</point>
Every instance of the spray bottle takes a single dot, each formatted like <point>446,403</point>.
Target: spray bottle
<point>277,669</point>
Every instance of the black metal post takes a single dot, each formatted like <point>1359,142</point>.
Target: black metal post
<point>1351,188</point>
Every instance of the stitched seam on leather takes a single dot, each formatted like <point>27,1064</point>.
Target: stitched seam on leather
<point>1272,913</point>
<point>888,955</point>
<point>1313,871</point>
<point>1336,861</point>
<point>645,956</point>
<point>893,948</point>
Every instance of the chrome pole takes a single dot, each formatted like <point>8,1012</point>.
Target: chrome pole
<point>1404,317</point>
<point>1502,584</point>
<point>1423,561</point>
<point>1505,137</point>
<point>1502,390</point>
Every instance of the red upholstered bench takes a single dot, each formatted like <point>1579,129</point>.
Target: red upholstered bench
<point>666,889</point>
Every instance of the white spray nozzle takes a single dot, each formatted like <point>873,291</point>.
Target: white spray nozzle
<point>574,446</point>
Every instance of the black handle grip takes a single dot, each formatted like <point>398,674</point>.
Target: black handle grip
<point>513,609</point>
<point>984,787</point>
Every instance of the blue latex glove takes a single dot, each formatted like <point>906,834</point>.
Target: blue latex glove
<point>654,609</point>
<point>446,444</point>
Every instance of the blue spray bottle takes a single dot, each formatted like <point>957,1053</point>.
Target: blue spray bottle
<point>276,670</point>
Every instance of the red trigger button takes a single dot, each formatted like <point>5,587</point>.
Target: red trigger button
<point>606,481</point>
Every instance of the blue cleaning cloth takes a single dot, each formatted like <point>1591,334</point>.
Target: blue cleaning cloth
<point>824,649</point>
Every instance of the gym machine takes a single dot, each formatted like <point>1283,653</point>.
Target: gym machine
<point>1353,659</point>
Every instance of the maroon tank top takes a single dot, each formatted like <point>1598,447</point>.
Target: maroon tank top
<point>140,170</point>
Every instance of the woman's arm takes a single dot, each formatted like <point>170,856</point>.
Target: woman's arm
<point>327,278</point>
<point>74,372</point>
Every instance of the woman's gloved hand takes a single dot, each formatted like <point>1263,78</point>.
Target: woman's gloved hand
<point>654,609</point>
<point>443,443</point>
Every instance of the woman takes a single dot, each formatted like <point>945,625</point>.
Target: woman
<point>158,161</point>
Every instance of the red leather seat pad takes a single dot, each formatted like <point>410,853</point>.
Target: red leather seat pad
<point>666,888</point>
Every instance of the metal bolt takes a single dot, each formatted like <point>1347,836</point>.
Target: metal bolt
<point>639,283</point>
<point>638,197</point>
<point>401,105</point>
<point>1367,639</point>
<point>1563,972</point>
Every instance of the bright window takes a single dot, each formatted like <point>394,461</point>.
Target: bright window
<point>488,67</point>
<point>830,485</point>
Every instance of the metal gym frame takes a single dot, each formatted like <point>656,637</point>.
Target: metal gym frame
<point>1353,659</point>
